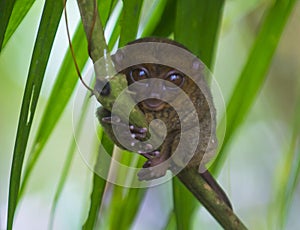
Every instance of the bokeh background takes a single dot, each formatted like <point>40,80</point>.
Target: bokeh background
<point>251,174</point>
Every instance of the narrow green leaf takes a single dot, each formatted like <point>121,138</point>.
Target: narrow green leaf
<point>165,25</point>
<point>197,25</point>
<point>203,18</point>
<point>254,72</point>
<point>289,173</point>
<point>115,35</point>
<point>288,181</point>
<point>6,8</point>
<point>183,208</point>
<point>153,16</point>
<point>105,8</point>
<point>98,188</point>
<point>129,20</point>
<point>130,202</point>
<point>69,158</point>
<point>125,200</point>
<point>62,90</point>
<point>171,224</point>
<point>48,26</point>
<point>99,183</point>
<point>20,10</point>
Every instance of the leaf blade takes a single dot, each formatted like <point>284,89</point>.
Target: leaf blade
<point>254,72</point>
<point>6,8</point>
<point>98,187</point>
<point>68,160</point>
<point>206,22</point>
<point>62,90</point>
<point>129,20</point>
<point>49,23</point>
<point>20,10</point>
<point>203,20</point>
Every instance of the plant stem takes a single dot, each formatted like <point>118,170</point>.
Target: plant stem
<point>210,200</point>
<point>97,48</point>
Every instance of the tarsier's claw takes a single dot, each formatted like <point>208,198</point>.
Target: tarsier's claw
<point>135,129</point>
<point>149,155</point>
<point>111,119</point>
<point>155,153</point>
<point>138,136</point>
<point>147,164</point>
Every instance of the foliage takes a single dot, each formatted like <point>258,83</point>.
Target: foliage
<point>167,18</point>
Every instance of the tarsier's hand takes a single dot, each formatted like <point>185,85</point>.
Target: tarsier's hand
<point>154,167</point>
<point>131,138</point>
<point>136,135</point>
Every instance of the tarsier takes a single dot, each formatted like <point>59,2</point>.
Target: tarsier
<point>162,96</point>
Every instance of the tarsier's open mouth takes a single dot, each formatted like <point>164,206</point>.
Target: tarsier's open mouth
<point>153,104</point>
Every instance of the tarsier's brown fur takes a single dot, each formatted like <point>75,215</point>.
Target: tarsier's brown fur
<point>168,114</point>
<point>205,111</point>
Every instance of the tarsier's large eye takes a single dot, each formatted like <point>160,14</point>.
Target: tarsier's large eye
<point>139,74</point>
<point>176,78</point>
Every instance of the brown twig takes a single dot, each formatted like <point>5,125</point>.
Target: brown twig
<point>210,200</point>
<point>97,48</point>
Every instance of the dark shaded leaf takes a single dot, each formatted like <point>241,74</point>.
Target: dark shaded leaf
<point>160,18</point>
<point>129,20</point>
<point>197,25</point>
<point>203,18</point>
<point>19,12</point>
<point>6,8</point>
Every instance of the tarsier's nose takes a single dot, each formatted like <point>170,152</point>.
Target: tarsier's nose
<point>154,103</point>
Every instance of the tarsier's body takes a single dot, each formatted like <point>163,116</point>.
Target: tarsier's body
<point>156,107</point>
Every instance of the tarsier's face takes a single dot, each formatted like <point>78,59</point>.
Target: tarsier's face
<point>157,91</point>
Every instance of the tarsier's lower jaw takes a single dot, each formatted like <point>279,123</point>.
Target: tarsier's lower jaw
<point>153,104</point>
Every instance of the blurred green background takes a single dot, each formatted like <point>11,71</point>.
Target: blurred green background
<point>252,174</point>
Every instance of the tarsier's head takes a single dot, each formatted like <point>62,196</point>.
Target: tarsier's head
<point>167,82</point>
<point>157,82</point>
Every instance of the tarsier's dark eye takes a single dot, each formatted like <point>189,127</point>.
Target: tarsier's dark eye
<point>139,74</point>
<point>175,78</point>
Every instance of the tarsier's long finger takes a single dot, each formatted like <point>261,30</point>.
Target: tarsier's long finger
<point>137,133</point>
<point>138,136</point>
<point>136,130</point>
<point>112,120</point>
<point>148,155</point>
